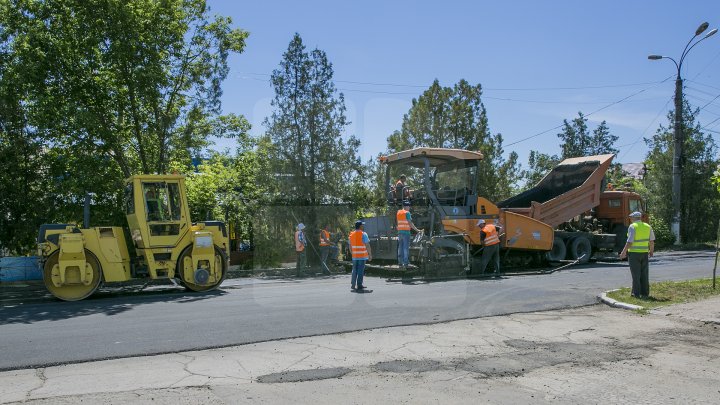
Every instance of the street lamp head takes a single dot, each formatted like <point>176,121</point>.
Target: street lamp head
<point>711,33</point>
<point>701,28</point>
<point>655,57</point>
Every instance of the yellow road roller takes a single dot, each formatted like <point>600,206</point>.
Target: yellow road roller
<point>78,260</point>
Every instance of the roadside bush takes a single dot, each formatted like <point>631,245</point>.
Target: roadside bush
<point>663,234</point>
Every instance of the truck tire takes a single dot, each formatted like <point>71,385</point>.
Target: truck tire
<point>580,248</point>
<point>557,252</point>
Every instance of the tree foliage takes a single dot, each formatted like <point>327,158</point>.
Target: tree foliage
<point>700,200</point>
<point>102,89</point>
<point>312,162</point>
<point>575,141</point>
<point>455,117</point>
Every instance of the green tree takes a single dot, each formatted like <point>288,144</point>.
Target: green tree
<point>700,199</point>
<point>539,164</point>
<point>111,88</point>
<point>455,117</point>
<point>312,163</point>
<point>575,141</point>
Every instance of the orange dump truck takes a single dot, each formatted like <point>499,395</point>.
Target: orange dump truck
<point>566,215</point>
<point>572,199</point>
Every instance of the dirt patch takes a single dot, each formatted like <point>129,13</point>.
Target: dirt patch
<point>304,375</point>
<point>527,357</point>
<point>408,366</point>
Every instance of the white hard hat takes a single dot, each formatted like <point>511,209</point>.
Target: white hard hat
<point>480,222</point>
<point>636,214</point>
<point>301,226</point>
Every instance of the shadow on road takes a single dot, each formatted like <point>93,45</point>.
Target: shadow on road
<point>107,303</point>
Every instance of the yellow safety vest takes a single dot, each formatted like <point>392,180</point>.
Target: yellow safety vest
<point>641,241</point>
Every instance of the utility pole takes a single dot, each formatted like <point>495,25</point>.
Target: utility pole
<point>678,134</point>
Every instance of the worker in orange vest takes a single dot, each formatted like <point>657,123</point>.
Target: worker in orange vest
<point>401,190</point>
<point>404,224</point>
<point>491,246</point>
<point>325,247</point>
<point>300,244</point>
<point>361,253</point>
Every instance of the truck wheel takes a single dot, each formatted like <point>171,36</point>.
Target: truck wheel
<point>557,252</point>
<point>580,246</point>
<point>76,290</point>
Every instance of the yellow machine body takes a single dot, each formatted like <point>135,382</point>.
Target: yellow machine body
<point>167,244</point>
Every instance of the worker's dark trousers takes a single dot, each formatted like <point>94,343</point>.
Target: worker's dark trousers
<point>639,269</point>
<point>490,254</point>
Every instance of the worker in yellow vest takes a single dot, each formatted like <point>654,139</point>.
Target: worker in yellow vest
<point>639,247</point>
<point>300,243</point>
<point>325,247</point>
<point>361,253</point>
<point>491,246</point>
<point>404,224</point>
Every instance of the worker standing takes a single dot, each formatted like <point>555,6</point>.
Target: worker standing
<point>361,253</point>
<point>404,224</point>
<point>491,246</point>
<point>325,246</point>
<point>639,247</point>
<point>300,243</point>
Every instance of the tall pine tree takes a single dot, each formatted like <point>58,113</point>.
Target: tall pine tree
<point>455,117</point>
<point>312,162</point>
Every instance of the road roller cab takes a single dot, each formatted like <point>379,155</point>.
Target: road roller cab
<point>167,244</point>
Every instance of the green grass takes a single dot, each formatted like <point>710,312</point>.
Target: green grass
<point>670,292</point>
<point>689,246</point>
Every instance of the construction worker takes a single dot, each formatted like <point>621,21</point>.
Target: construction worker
<point>639,247</point>
<point>360,251</point>
<point>300,244</point>
<point>404,224</point>
<point>491,246</point>
<point>325,247</point>
<point>402,192</point>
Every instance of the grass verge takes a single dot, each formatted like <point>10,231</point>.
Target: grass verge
<point>669,292</point>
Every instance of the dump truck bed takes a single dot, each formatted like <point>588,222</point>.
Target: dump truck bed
<point>571,188</point>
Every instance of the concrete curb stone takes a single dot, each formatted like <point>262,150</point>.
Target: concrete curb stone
<point>617,304</point>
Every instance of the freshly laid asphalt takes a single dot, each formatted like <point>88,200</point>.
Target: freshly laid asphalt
<point>36,331</point>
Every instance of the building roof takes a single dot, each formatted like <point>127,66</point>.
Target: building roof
<point>634,170</point>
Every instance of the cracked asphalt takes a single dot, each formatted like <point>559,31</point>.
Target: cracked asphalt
<point>532,339</point>
<point>594,354</point>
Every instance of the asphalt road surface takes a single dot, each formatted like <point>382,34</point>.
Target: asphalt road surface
<point>41,332</point>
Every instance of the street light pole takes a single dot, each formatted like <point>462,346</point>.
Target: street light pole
<point>678,134</point>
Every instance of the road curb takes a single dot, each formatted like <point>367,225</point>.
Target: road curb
<point>617,304</point>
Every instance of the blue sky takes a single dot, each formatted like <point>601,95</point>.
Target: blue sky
<point>539,62</point>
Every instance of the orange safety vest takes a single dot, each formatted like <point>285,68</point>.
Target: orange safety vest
<point>299,245</point>
<point>324,238</point>
<point>402,222</point>
<point>357,246</point>
<point>491,235</point>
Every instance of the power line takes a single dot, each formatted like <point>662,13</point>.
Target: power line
<point>642,134</point>
<point>484,96</point>
<point>703,84</point>
<point>587,115</point>
<point>486,88</point>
